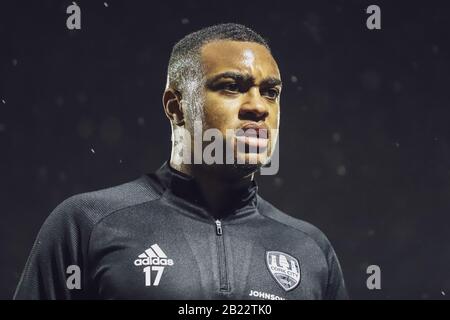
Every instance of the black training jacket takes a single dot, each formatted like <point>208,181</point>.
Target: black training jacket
<point>152,238</point>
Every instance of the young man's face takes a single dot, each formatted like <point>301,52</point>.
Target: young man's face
<point>242,89</point>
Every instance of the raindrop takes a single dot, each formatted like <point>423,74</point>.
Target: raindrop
<point>336,137</point>
<point>81,97</point>
<point>185,21</point>
<point>42,173</point>
<point>294,79</point>
<point>85,128</point>
<point>59,100</point>
<point>435,49</point>
<point>424,296</point>
<point>106,4</point>
<point>92,150</point>
<point>111,130</point>
<point>371,80</point>
<point>341,170</point>
<point>62,176</point>
<point>316,173</point>
<point>397,86</point>
<point>278,182</point>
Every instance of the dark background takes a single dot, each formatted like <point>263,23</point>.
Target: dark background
<point>364,146</point>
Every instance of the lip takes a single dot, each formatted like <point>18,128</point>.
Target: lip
<point>259,128</point>
<point>256,140</point>
<point>256,144</point>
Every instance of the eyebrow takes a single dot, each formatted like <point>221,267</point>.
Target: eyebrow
<point>244,77</point>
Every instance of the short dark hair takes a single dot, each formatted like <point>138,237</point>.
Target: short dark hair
<point>184,62</point>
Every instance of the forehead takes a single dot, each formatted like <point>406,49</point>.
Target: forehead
<point>238,56</point>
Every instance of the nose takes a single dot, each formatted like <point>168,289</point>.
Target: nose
<point>254,107</point>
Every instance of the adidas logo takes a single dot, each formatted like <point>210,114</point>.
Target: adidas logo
<point>153,256</point>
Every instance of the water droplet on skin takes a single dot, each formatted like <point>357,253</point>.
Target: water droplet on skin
<point>249,57</point>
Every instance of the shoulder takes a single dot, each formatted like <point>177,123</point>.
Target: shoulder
<point>91,207</point>
<point>296,225</point>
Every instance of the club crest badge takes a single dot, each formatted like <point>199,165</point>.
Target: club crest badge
<point>284,268</point>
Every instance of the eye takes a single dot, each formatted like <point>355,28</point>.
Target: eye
<point>231,86</point>
<point>271,93</point>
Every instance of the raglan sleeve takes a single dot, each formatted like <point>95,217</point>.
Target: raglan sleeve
<point>336,288</point>
<point>57,263</point>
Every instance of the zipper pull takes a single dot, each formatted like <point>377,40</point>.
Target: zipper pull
<point>218,227</point>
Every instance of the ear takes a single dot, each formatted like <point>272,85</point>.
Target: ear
<point>173,107</point>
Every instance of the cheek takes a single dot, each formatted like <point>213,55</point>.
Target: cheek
<point>220,112</point>
<point>274,117</point>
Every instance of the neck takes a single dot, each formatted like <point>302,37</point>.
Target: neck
<point>215,185</point>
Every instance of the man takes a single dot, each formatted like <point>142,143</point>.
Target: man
<point>192,230</point>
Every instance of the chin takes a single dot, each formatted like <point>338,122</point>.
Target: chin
<point>245,169</point>
<point>250,162</point>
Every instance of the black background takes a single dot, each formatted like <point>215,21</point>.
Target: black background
<point>364,145</point>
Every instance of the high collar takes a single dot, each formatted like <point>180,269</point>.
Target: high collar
<point>183,191</point>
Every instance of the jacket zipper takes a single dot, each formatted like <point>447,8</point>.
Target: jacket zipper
<point>223,276</point>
